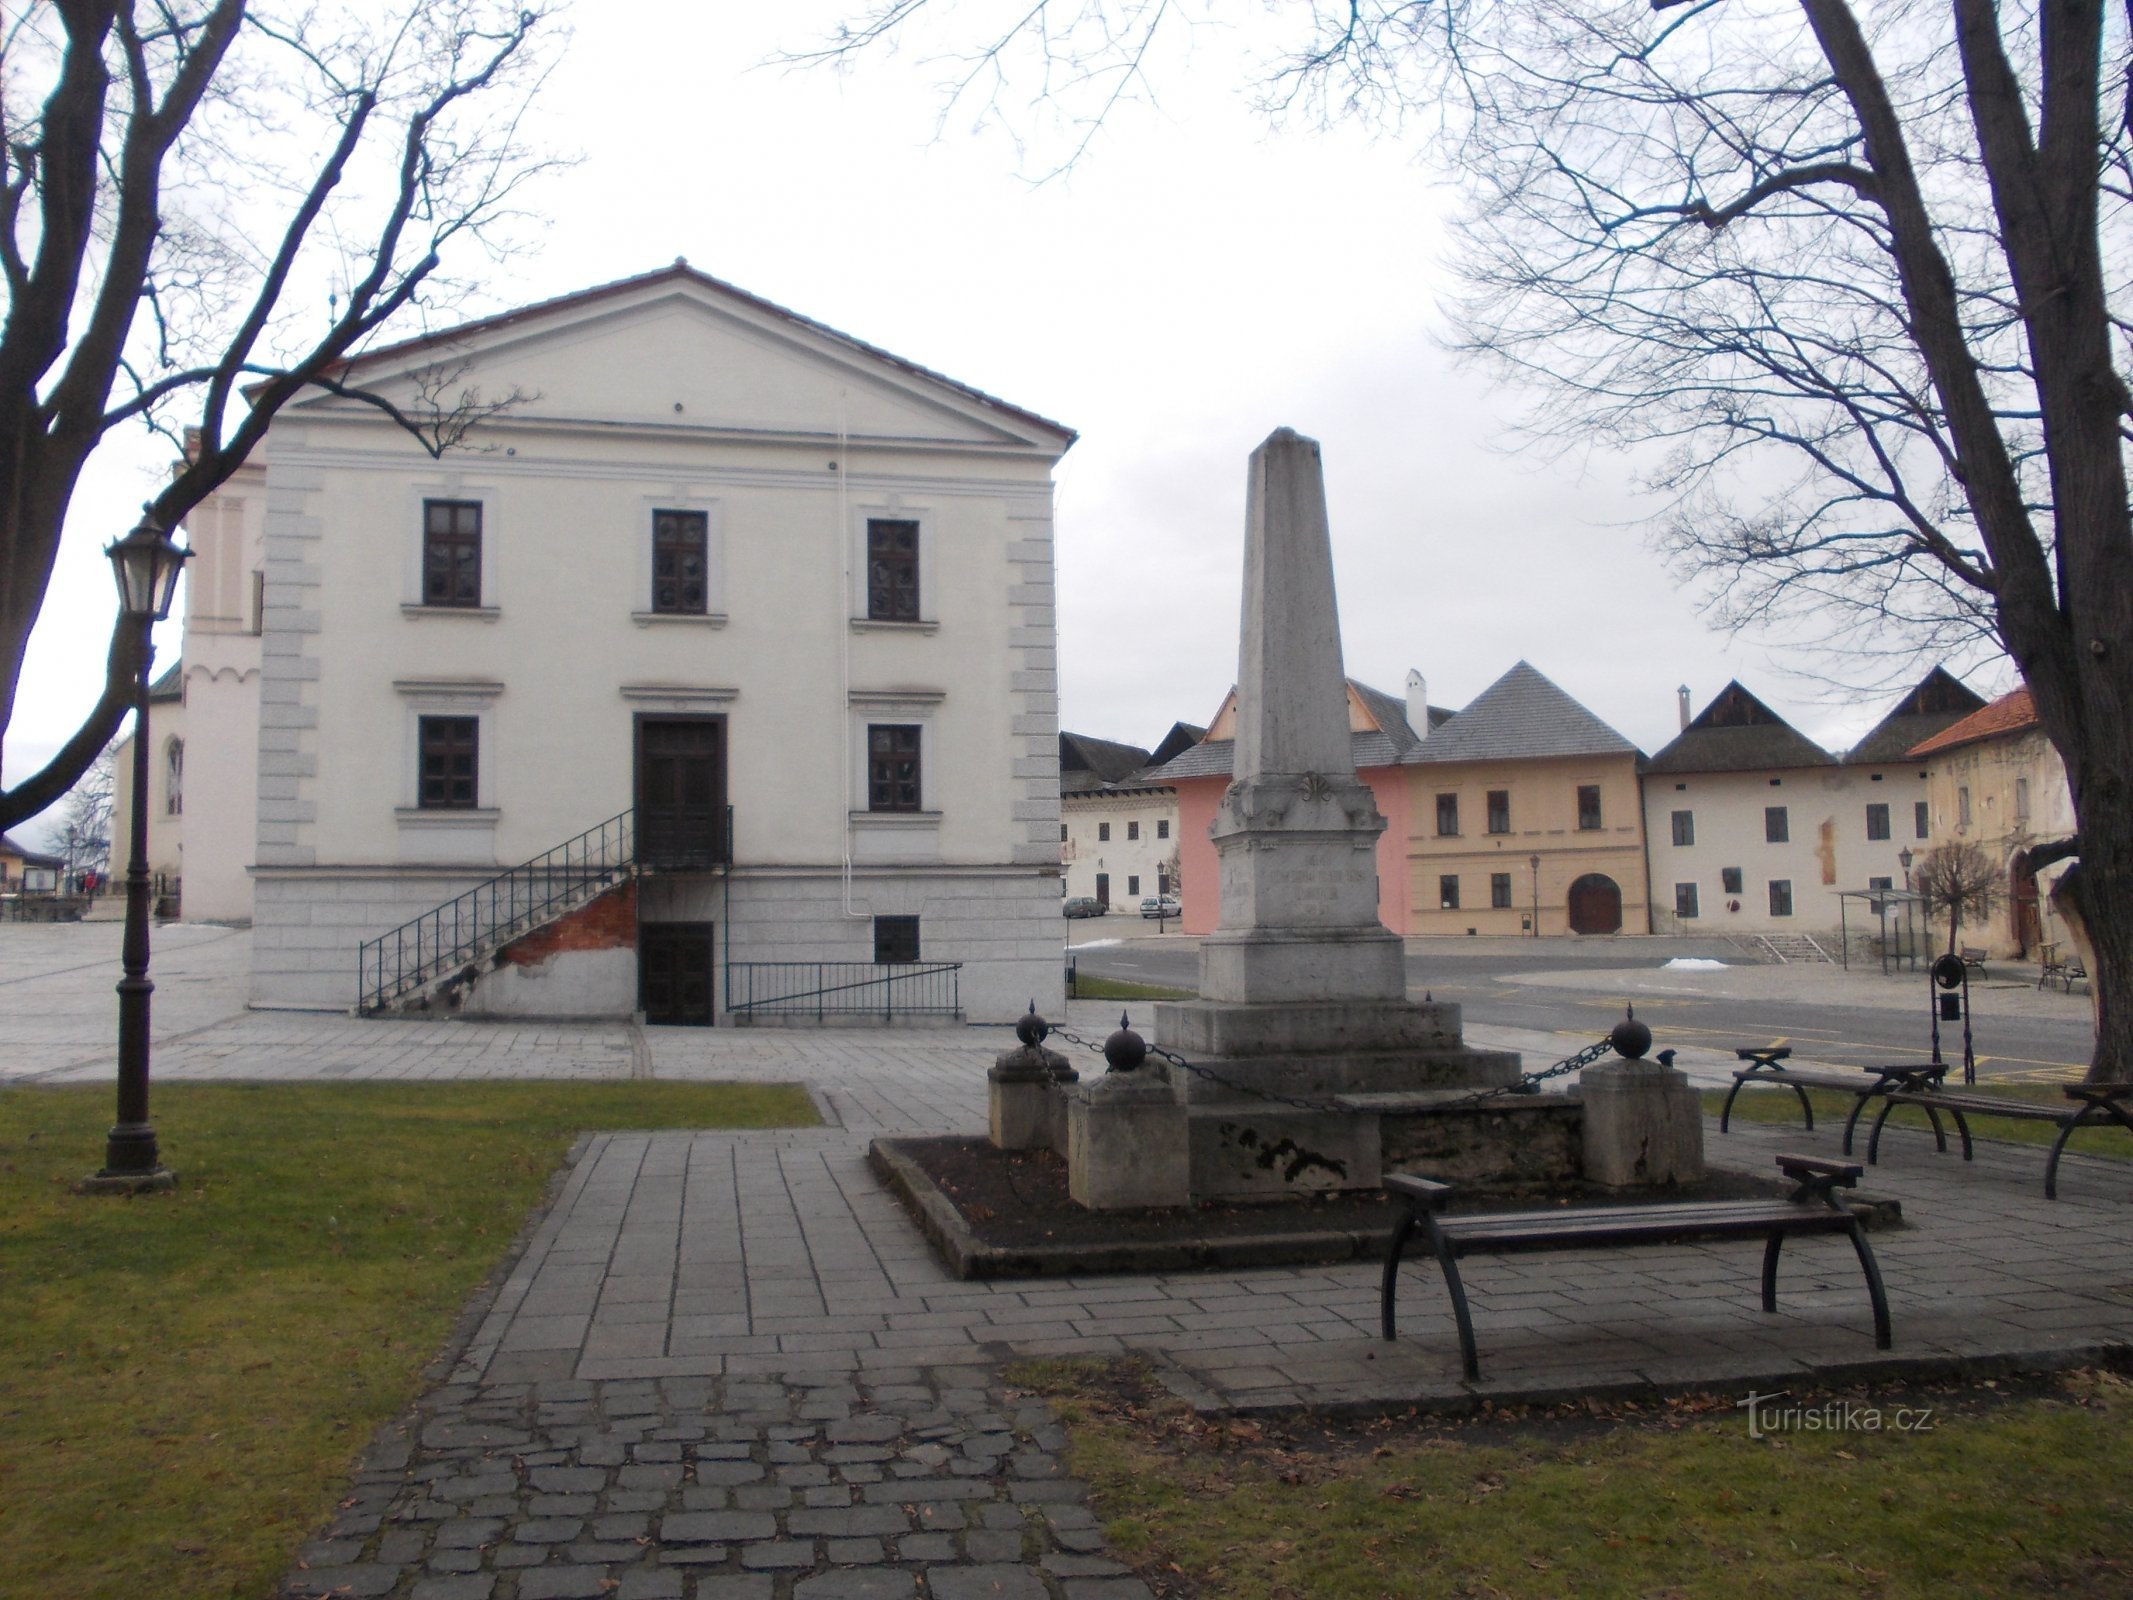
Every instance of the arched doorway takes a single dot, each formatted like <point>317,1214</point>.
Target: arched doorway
<point>1595,905</point>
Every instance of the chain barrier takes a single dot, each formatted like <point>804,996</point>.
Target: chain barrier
<point>1528,1083</point>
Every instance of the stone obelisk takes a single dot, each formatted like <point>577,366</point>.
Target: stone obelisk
<point>1296,833</point>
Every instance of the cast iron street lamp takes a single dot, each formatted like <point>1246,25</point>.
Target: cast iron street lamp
<point>146,563</point>
<point>1535,863</point>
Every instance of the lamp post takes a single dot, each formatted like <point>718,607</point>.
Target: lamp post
<point>1535,863</point>
<point>1904,859</point>
<point>146,564</point>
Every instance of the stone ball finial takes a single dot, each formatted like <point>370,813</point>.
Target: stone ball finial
<point>1125,1050</point>
<point>1032,1029</point>
<point>1631,1038</point>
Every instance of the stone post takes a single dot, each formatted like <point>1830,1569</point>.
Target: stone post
<point>1643,1122</point>
<point>1126,1143</point>
<point>1022,1087</point>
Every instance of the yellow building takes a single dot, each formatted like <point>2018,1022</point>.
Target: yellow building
<point>1525,816</point>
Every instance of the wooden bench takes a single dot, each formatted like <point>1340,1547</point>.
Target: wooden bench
<point>1973,958</point>
<point>1768,1066</point>
<point>2101,1104</point>
<point>2065,971</point>
<point>1813,1207</point>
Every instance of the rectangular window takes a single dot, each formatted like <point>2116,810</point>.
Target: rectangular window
<point>1877,822</point>
<point>1777,827</point>
<point>1684,827</point>
<point>1729,880</point>
<point>1447,814</point>
<point>259,602</point>
<point>1588,807</point>
<point>1499,811</point>
<point>1133,887</point>
<point>1881,883</point>
<point>1062,833</point>
<point>451,552</point>
<point>892,570</point>
<point>1685,900</point>
<point>1500,891</point>
<point>1162,829</point>
<point>449,769</point>
<point>1962,807</point>
<point>892,767</point>
<point>895,939</point>
<point>2021,800</point>
<point>1103,832</point>
<point>1133,830</point>
<point>1781,897</point>
<point>680,560</point>
<point>1448,893</point>
<point>1921,819</point>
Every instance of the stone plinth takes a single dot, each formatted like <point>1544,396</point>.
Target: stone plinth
<point>1643,1124</point>
<point>1126,1142</point>
<point>1020,1093</point>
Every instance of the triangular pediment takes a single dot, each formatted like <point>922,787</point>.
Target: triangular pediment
<point>678,349</point>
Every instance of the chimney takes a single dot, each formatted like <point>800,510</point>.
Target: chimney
<point>1681,695</point>
<point>1417,703</point>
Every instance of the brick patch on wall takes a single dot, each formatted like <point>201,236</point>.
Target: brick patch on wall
<point>608,923</point>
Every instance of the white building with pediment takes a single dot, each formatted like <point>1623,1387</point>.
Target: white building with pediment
<point>713,678</point>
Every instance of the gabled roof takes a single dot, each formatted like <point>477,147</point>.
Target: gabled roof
<point>170,685</point>
<point>682,272</point>
<point>1738,733</point>
<point>1940,701</point>
<point>2011,713</point>
<point>1388,740</point>
<point>1181,738</point>
<point>1522,716</point>
<point>1086,763</point>
<point>29,858</point>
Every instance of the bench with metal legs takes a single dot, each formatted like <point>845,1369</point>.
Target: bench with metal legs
<point>2102,1105</point>
<point>1813,1207</point>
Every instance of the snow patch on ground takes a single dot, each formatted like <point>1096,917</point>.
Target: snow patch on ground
<point>1693,964</point>
<point>1094,944</point>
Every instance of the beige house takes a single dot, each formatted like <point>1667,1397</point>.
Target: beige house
<point>1523,816</point>
<point>1118,823</point>
<point>719,667</point>
<point>1995,780</point>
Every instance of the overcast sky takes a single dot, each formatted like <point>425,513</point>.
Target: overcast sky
<point>1196,281</point>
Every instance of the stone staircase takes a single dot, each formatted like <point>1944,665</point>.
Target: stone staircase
<point>1775,949</point>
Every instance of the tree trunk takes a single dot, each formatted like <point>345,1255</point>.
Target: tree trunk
<point>2106,814</point>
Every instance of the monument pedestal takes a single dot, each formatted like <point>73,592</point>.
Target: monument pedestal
<point>1126,1142</point>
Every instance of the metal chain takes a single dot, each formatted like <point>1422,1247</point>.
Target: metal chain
<point>1528,1083</point>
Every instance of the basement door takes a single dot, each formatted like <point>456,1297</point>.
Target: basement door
<point>674,973</point>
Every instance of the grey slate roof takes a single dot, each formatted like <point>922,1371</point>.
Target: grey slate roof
<point>1522,716</point>
<point>1738,733</point>
<point>1392,743</point>
<point>1086,763</point>
<point>1940,701</point>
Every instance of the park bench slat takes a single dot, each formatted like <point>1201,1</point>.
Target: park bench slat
<point>1767,1066</point>
<point>1594,1226</point>
<point>2101,1105</point>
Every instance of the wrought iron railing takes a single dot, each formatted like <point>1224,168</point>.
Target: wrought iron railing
<point>490,915</point>
<point>824,989</point>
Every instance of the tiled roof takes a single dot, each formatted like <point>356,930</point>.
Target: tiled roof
<point>170,685</point>
<point>2011,713</point>
<point>1181,737</point>
<point>1089,763</point>
<point>30,858</point>
<point>1738,733</point>
<point>1522,716</point>
<point>1939,701</point>
<point>1391,743</point>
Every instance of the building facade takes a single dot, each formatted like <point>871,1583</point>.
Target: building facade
<point>169,733</point>
<point>1118,824</point>
<point>777,602</point>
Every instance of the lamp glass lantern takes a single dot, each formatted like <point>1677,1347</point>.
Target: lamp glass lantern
<point>146,564</point>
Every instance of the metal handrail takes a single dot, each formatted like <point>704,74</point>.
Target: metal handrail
<point>844,988</point>
<point>493,913</point>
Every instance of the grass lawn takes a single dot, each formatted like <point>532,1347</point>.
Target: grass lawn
<point>185,1379</point>
<point>1089,988</point>
<point>2000,1493</point>
<point>1760,1103</point>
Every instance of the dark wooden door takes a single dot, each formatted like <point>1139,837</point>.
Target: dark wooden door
<point>681,791</point>
<point>674,973</point>
<point>2028,924</point>
<point>1595,905</point>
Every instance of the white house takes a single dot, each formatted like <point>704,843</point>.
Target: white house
<point>714,560</point>
<point>1118,824</point>
<point>1754,829</point>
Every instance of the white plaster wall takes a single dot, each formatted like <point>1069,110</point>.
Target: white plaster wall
<point>227,533</point>
<point>1084,855</point>
<point>167,720</point>
<point>1828,849</point>
<point>570,983</point>
<point>659,401</point>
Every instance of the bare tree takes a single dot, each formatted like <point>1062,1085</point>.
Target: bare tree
<point>206,207</point>
<point>85,822</point>
<point>1960,881</point>
<point>1855,278</point>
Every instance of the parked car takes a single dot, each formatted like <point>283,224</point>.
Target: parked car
<point>1162,906</point>
<point>1083,905</point>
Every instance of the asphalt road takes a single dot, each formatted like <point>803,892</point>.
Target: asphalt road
<point>1495,984</point>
